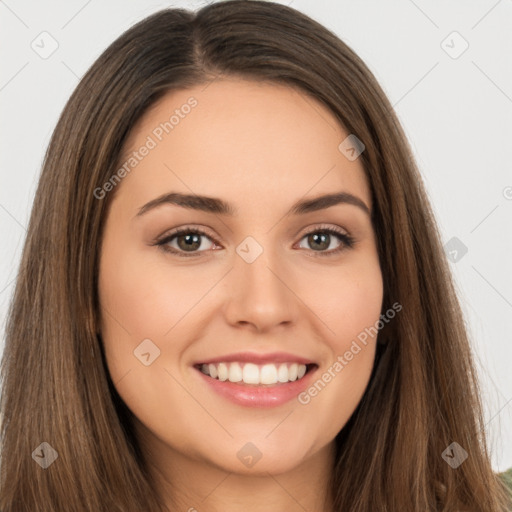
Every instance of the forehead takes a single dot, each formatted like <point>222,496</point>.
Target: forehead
<point>248,142</point>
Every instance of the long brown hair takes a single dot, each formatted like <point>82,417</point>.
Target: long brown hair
<point>423,393</point>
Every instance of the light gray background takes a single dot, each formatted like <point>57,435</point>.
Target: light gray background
<point>456,110</point>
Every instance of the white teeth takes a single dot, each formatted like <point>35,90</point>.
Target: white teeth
<point>213,370</point>
<point>250,373</point>
<point>223,372</point>
<point>282,373</point>
<point>292,372</point>
<point>235,372</point>
<point>268,374</point>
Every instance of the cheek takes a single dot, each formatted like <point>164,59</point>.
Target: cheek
<point>141,300</point>
<point>347,298</point>
<point>143,296</point>
<point>133,307</point>
<point>348,302</point>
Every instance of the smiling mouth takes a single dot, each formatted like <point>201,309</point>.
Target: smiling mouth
<point>268,374</point>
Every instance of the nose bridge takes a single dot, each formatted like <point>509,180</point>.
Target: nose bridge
<point>260,295</point>
<point>257,265</point>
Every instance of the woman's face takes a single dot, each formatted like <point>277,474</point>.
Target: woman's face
<point>264,289</point>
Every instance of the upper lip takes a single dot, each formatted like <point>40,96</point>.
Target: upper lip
<point>256,358</point>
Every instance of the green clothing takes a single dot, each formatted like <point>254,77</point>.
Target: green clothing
<point>506,477</point>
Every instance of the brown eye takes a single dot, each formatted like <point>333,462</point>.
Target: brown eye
<point>322,239</point>
<point>189,242</point>
<point>185,242</point>
<point>319,241</point>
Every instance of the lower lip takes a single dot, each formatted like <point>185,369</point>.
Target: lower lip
<point>259,396</point>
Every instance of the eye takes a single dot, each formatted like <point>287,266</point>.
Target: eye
<point>322,238</point>
<point>188,241</point>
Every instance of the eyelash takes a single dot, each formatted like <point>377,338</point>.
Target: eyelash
<point>347,241</point>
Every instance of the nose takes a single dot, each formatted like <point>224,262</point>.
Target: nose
<point>261,294</point>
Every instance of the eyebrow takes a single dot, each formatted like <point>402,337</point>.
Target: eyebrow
<point>218,206</point>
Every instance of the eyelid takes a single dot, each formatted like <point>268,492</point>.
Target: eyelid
<point>323,227</point>
<point>189,228</point>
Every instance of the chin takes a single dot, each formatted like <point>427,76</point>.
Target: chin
<point>260,458</point>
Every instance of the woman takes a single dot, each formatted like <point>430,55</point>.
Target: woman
<point>233,291</point>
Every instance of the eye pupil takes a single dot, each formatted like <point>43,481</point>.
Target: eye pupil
<point>192,241</point>
<point>316,238</point>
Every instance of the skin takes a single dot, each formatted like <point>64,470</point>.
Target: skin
<point>260,147</point>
